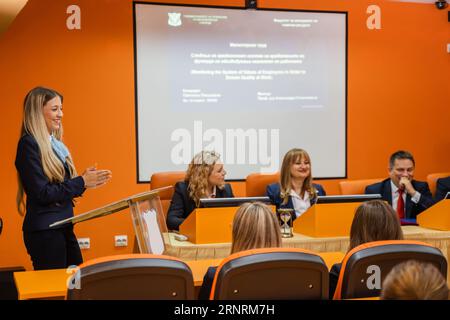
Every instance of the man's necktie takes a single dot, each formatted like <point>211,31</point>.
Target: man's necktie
<point>400,204</point>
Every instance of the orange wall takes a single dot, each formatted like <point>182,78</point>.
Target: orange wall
<point>398,84</point>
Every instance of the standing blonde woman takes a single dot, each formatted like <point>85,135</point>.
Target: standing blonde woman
<point>254,226</point>
<point>295,190</point>
<point>205,178</point>
<point>47,175</point>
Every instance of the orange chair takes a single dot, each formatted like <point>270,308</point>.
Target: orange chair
<point>256,183</point>
<point>361,265</point>
<point>356,186</point>
<point>432,179</point>
<point>132,277</point>
<point>164,179</point>
<point>271,273</point>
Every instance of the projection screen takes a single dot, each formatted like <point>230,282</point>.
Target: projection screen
<point>249,84</point>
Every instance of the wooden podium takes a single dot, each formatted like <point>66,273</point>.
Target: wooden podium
<point>210,225</point>
<point>327,220</point>
<point>436,217</point>
<point>146,213</point>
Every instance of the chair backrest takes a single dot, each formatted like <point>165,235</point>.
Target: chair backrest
<point>164,179</point>
<point>365,267</point>
<point>356,186</point>
<point>256,183</point>
<point>272,273</point>
<point>8,286</point>
<point>432,179</point>
<point>133,276</point>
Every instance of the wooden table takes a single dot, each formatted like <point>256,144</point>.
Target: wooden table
<point>188,251</point>
<point>52,284</point>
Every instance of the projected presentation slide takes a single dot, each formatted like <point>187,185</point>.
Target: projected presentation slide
<point>249,84</point>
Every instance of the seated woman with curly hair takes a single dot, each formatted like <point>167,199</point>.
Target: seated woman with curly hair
<point>204,179</point>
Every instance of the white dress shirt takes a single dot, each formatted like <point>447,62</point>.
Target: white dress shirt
<point>300,204</point>
<point>415,198</point>
<point>213,194</point>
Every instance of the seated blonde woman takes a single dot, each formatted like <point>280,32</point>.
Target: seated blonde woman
<point>296,190</point>
<point>413,280</point>
<point>205,178</point>
<point>254,226</point>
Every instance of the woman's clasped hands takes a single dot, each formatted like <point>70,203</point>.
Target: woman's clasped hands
<point>94,178</point>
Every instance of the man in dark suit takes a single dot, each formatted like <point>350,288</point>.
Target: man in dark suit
<point>442,188</point>
<point>407,196</point>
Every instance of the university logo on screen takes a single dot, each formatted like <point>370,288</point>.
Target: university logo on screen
<point>174,19</point>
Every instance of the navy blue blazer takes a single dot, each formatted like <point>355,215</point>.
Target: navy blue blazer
<point>182,205</point>
<point>273,192</point>
<point>208,279</point>
<point>411,209</point>
<point>442,187</point>
<point>46,202</point>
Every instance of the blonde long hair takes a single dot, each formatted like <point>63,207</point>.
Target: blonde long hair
<point>289,159</point>
<point>413,280</point>
<point>198,173</point>
<point>255,226</point>
<point>34,125</point>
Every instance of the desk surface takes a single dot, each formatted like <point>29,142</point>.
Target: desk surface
<point>41,284</point>
<point>186,250</point>
<point>53,283</point>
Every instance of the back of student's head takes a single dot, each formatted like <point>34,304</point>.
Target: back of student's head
<point>374,221</point>
<point>412,280</point>
<point>255,226</point>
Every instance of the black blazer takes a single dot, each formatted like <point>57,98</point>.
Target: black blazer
<point>273,192</point>
<point>46,202</point>
<point>412,209</point>
<point>208,279</point>
<point>182,205</point>
<point>334,277</point>
<point>442,187</point>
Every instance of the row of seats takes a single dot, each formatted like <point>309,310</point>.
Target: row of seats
<point>256,184</point>
<point>274,273</point>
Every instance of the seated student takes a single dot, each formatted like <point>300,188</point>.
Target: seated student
<point>442,187</point>
<point>408,197</point>
<point>412,280</point>
<point>296,190</point>
<point>373,221</point>
<point>254,226</point>
<point>204,179</point>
